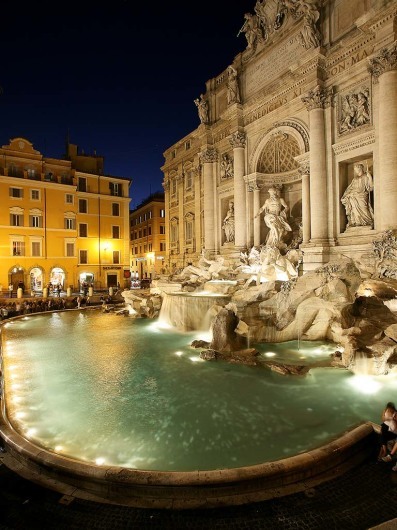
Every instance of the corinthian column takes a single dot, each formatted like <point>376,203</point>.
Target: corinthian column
<point>305,172</point>
<point>208,157</point>
<point>257,220</point>
<point>166,186</point>
<point>237,141</point>
<point>383,67</point>
<point>315,102</point>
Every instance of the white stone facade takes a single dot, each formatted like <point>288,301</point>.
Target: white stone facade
<point>316,94</point>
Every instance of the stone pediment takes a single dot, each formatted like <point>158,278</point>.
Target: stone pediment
<point>21,145</point>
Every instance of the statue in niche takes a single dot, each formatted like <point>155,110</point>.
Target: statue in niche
<point>227,171</point>
<point>356,199</point>
<point>355,111</point>
<point>276,210</point>
<point>233,92</point>
<point>228,223</point>
<point>202,108</point>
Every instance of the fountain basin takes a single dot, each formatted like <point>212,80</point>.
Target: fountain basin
<point>187,490</point>
<point>159,486</point>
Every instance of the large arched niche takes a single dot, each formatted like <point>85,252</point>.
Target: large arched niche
<point>274,160</point>
<point>275,151</point>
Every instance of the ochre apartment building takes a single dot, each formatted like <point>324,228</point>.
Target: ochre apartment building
<point>62,221</point>
<point>148,250</point>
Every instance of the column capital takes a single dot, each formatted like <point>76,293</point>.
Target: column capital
<point>238,139</point>
<point>385,61</point>
<point>304,168</point>
<point>318,98</point>
<point>209,155</point>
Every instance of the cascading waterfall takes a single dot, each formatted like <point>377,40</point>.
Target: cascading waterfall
<point>188,311</point>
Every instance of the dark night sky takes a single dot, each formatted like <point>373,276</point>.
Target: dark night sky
<point>120,76</point>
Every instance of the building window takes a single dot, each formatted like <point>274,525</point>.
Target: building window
<point>69,198</point>
<point>16,219</point>
<point>162,229</point>
<point>83,206</point>
<point>144,232</point>
<point>83,230</point>
<point>16,193</point>
<point>162,246</point>
<point>35,221</point>
<point>116,257</point>
<point>135,250</point>
<point>70,224</point>
<point>173,187</point>
<point>116,232</point>
<point>189,180</point>
<point>116,209</point>
<point>162,212</point>
<point>83,257</point>
<point>70,250</point>
<point>82,185</point>
<point>174,233</point>
<point>31,173</point>
<point>35,195</point>
<point>187,145</point>
<point>18,248</point>
<point>150,247</point>
<point>115,189</point>
<point>189,230</point>
<point>36,248</point>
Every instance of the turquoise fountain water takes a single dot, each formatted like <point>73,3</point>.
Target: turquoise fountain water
<point>117,391</point>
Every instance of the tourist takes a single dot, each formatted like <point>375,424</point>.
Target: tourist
<point>356,199</point>
<point>228,223</point>
<point>388,431</point>
<point>275,209</point>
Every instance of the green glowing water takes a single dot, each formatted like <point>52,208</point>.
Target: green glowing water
<point>117,391</point>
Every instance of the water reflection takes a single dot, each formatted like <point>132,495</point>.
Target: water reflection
<point>118,391</point>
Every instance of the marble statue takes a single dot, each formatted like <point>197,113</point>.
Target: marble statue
<point>207,269</point>
<point>356,201</point>
<point>252,30</point>
<point>233,91</point>
<point>310,36</point>
<point>202,107</point>
<point>228,223</point>
<point>226,167</point>
<point>276,210</point>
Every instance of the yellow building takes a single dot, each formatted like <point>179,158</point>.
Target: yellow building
<point>148,250</point>
<point>62,221</point>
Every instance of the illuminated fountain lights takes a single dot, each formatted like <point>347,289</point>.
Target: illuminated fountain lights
<point>120,392</point>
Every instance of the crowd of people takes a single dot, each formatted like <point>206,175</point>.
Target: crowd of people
<point>25,307</point>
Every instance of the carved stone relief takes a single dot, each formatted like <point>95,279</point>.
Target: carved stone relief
<point>354,109</point>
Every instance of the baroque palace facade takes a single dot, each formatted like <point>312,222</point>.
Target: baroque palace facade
<point>61,221</point>
<point>309,108</point>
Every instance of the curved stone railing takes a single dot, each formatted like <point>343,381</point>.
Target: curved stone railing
<point>184,490</point>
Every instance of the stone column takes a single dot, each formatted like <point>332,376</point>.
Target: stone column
<point>257,221</point>
<point>383,67</point>
<point>166,186</point>
<point>208,157</point>
<point>315,102</point>
<point>181,225</point>
<point>306,229</point>
<point>237,141</point>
